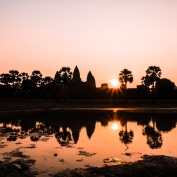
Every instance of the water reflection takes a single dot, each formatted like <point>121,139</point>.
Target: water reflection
<point>60,136</point>
<point>66,125</point>
<point>125,136</point>
<point>114,126</point>
<point>154,137</point>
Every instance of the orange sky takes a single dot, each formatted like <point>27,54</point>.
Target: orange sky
<point>98,35</point>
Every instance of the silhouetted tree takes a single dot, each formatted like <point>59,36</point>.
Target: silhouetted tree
<point>165,87</point>
<point>65,75</point>
<point>5,79</point>
<point>126,136</point>
<point>47,80</point>
<point>36,77</point>
<point>153,74</point>
<point>63,137</point>
<point>124,77</point>
<point>24,76</point>
<point>166,122</point>
<point>15,78</point>
<point>47,85</point>
<point>154,137</point>
<point>27,86</point>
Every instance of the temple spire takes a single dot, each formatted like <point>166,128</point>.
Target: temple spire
<point>76,75</point>
<point>91,80</point>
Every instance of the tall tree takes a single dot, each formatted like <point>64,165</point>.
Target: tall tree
<point>125,76</point>
<point>15,78</point>
<point>47,80</point>
<point>28,85</point>
<point>65,75</point>
<point>24,76</point>
<point>153,74</point>
<point>36,77</point>
<point>5,79</point>
<point>47,85</point>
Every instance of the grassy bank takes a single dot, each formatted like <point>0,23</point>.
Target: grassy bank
<point>26,104</point>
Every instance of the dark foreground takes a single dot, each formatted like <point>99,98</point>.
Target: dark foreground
<point>29,104</point>
<point>155,166</point>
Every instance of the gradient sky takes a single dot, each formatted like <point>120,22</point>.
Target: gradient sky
<point>97,35</point>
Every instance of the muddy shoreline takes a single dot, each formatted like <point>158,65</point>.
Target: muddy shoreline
<point>150,166</point>
<point>155,166</point>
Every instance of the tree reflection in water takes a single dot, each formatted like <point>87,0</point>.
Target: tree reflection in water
<point>154,137</point>
<point>63,136</point>
<point>66,125</point>
<point>126,136</point>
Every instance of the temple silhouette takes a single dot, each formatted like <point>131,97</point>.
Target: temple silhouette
<point>76,87</point>
<point>67,84</point>
<point>90,82</point>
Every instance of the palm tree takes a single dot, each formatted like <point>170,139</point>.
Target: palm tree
<point>126,136</point>
<point>153,74</point>
<point>124,77</point>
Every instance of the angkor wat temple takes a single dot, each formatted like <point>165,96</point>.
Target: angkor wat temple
<point>76,87</point>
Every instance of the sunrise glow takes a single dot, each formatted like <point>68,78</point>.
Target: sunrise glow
<point>114,126</point>
<point>103,37</point>
<point>114,82</point>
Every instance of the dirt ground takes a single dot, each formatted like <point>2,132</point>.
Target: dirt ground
<point>153,166</point>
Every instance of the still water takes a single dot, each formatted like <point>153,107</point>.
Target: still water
<point>61,139</point>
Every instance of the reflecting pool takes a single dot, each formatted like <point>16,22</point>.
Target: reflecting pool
<point>61,139</point>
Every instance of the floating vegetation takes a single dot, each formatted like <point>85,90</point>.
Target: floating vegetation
<point>79,160</point>
<point>113,161</point>
<point>61,160</point>
<point>87,154</point>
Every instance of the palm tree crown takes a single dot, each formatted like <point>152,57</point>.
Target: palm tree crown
<point>153,73</point>
<point>125,76</point>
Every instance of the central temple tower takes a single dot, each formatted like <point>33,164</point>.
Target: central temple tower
<point>76,75</point>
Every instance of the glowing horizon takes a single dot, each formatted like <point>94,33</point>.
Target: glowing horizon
<point>98,36</point>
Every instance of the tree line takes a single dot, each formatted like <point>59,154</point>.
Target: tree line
<point>151,81</point>
<point>15,83</point>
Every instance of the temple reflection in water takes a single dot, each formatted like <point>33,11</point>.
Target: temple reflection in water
<point>66,125</point>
